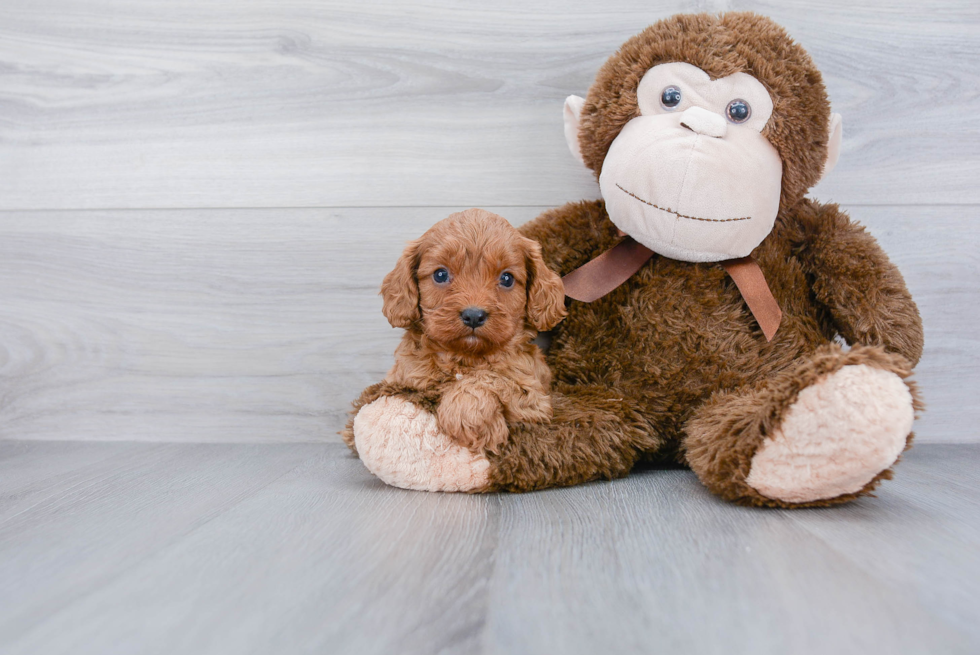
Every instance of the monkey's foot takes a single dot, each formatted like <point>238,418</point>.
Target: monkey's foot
<point>838,435</point>
<point>402,445</point>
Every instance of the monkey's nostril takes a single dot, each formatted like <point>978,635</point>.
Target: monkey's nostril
<point>473,317</point>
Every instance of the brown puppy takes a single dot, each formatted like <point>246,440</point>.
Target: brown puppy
<point>471,293</point>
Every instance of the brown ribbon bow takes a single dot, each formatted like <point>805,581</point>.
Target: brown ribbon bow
<point>598,277</point>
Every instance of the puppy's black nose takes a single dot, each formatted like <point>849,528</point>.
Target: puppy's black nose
<point>473,317</point>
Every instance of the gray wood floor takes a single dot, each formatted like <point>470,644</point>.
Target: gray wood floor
<point>294,548</point>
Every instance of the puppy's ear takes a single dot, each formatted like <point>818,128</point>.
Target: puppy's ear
<point>400,289</point>
<point>545,291</point>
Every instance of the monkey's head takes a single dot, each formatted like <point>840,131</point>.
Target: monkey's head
<point>701,129</point>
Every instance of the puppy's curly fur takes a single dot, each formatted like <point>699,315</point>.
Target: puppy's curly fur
<point>485,375</point>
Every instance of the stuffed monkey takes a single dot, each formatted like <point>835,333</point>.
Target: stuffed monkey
<point>707,293</point>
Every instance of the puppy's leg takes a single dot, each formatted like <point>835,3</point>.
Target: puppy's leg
<point>471,413</point>
<point>525,396</point>
<point>524,405</point>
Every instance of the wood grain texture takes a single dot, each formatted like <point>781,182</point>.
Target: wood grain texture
<point>295,548</point>
<point>313,555</point>
<point>263,325</point>
<point>285,103</point>
<point>136,501</point>
<point>654,563</point>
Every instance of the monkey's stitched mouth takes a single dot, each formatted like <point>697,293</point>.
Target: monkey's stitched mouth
<point>679,215</point>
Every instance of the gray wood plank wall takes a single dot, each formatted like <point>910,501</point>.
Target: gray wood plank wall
<point>198,200</point>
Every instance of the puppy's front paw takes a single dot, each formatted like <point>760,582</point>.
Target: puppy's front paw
<point>403,446</point>
<point>473,417</point>
<point>477,431</point>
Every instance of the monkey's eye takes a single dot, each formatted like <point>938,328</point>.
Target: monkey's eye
<point>738,111</point>
<point>441,276</point>
<point>506,280</point>
<point>671,97</point>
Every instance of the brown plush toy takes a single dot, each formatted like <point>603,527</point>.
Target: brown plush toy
<point>706,336</point>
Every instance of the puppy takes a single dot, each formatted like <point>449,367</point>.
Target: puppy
<point>471,293</point>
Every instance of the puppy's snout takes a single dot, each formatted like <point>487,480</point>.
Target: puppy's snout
<point>473,317</point>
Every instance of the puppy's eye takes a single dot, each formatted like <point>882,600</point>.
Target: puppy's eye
<point>506,280</point>
<point>441,276</point>
<point>671,97</point>
<point>738,111</point>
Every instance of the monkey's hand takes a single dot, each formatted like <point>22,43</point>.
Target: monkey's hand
<point>471,413</point>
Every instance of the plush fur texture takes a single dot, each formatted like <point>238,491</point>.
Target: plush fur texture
<point>671,365</point>
<point>677,337</point>
<point>484,375</point>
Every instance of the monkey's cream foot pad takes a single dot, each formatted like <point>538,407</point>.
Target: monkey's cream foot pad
<point>402,445</point>
<point>839,434</point>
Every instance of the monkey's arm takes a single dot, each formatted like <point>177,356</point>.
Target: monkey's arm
<point>572,234</point>
<point>863,291</point>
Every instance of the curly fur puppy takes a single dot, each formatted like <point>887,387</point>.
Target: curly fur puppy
<point>471,294</point>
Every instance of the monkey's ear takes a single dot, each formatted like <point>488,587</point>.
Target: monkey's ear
<point>545,291</point>
<point>836,134</point>
<point>573,111</point>
<point>400,289</point>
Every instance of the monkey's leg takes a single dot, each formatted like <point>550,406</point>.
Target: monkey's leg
<point>427,399</point>
<point>401,443</point>
<point>823,432</point>
<point>594,434</point>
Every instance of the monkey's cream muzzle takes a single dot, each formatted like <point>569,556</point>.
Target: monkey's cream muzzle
<point>687,182</point>
<point>688,195</point>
